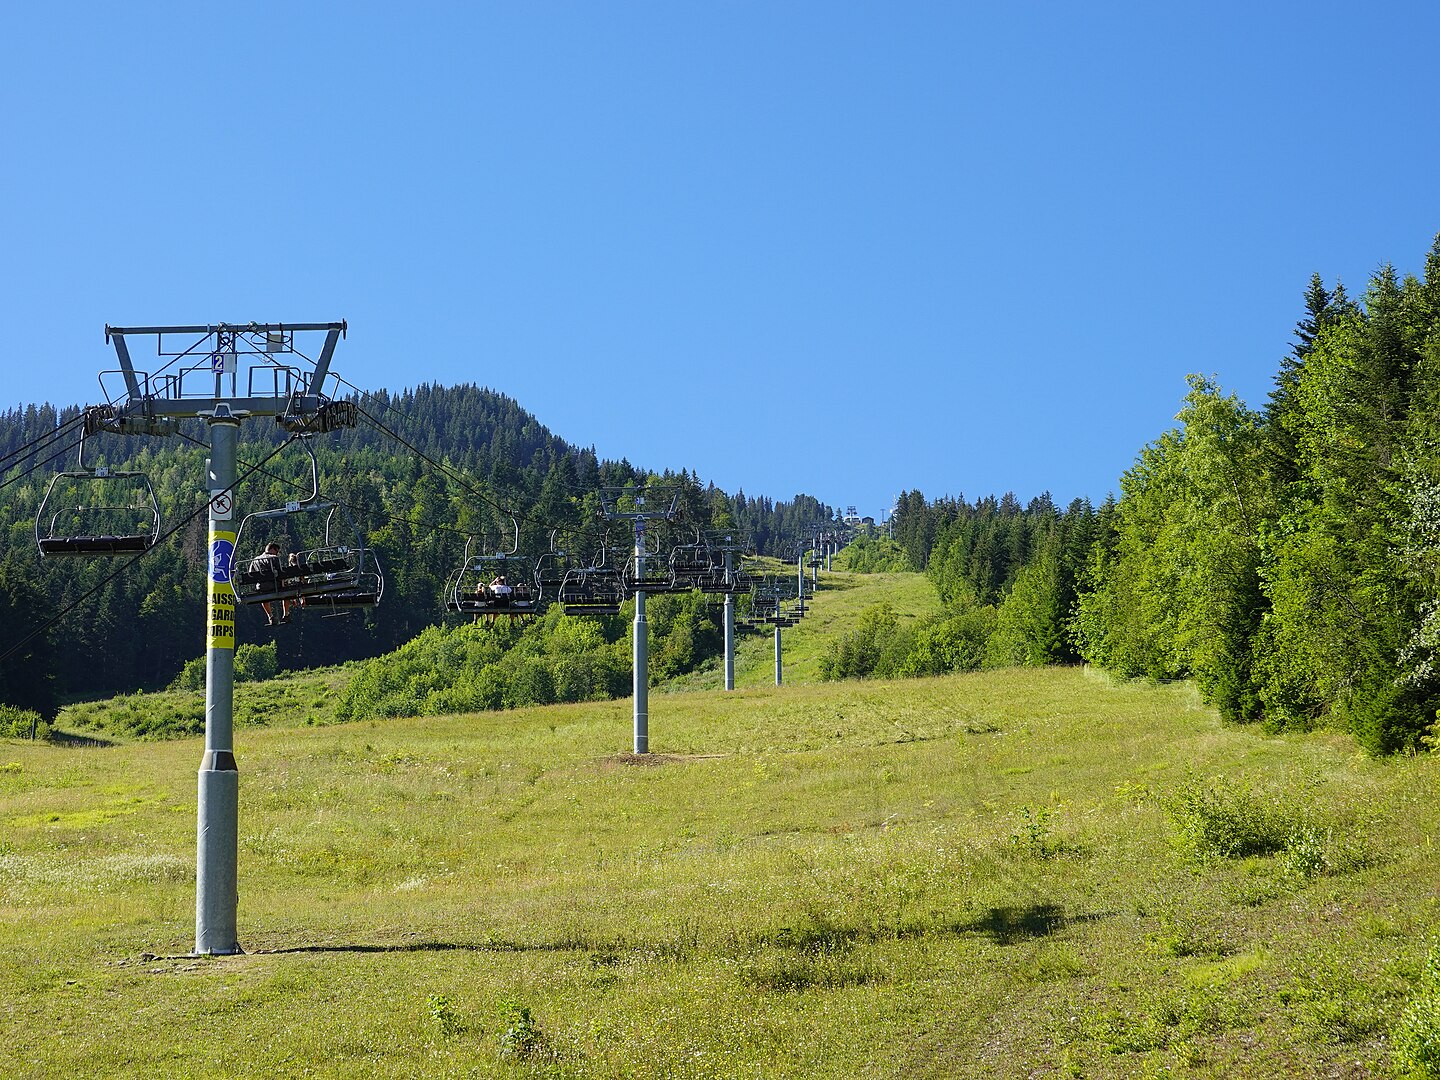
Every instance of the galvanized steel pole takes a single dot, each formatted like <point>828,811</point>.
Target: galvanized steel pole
<point>729,624</point>
<point>216,891</point>
<point>642,649</point>
<point>777,647</point>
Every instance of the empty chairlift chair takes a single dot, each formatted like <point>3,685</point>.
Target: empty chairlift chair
<point>96,512</point>
<point>597,589</point>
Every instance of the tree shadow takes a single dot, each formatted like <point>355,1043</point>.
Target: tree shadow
<point>70,740</point>
<point>1007,925</point>
<point>426,946</point>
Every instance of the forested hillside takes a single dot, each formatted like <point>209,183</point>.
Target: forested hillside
<point>423,472</point>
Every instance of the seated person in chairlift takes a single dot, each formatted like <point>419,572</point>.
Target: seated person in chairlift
<point>500,590</point>
<point>267,564</point>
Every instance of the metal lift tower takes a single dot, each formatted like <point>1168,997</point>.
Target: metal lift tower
<point>200,378</point>
<point>629,504</point>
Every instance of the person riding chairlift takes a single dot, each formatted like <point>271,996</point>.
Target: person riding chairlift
<point>268,564</point>
<point>500,590</point>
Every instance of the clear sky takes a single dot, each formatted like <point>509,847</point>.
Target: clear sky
<point>845,248</point>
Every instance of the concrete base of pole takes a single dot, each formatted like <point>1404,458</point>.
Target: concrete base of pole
<point>215,885</point>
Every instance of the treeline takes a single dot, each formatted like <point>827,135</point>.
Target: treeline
<point>1008,578</point>
<point>1286,558</point>
<point>425,471</point>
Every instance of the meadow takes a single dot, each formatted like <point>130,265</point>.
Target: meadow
<point>1010,873</point>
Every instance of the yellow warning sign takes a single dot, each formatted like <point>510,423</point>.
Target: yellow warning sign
<point>222,616</point>
<point>221,607</point>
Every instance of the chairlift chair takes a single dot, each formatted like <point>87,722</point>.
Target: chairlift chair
<point>99,511</point>
<point>597,589</point>
<point>368,590</point>
<point>495,585</point>
<point>323,562</point>
<point>655,578</point>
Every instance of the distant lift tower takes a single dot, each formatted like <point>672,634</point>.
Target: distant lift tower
<point>729,547</point>
<point>639,505</point>
<point>200,376</point>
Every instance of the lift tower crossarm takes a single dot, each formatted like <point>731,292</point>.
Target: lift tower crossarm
<point>227,328</point>
<point>295,394</point>
<point>322,365</point>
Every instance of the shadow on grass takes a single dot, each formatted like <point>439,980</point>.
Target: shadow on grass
<point>430,946</point>
<point>1007,925</point>
<point>1003,925</point>
<point>70,740</point>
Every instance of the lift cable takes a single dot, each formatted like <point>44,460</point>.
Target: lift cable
<point>330,497</point>
<point>64,451</point>
<point>449,471</point>
<point>454,474</point>
<point>34,445</point>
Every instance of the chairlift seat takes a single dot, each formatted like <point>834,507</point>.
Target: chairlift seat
<point>95,545</point>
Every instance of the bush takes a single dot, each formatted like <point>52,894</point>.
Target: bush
<point>253,663</point>
<point>859,654</point>
<point>1220,820</point>
<point>873,555</point>
<point>1416,1039</point>
<point>22,723</point>
<point>1387,718</point>
<point>954,644</point>
<point>1029,624</point>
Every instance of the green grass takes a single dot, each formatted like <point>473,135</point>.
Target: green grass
<point>1002,874</point>
<point>975,875</point>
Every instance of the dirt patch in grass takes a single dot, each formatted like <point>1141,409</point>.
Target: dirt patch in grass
<point>654,759</point>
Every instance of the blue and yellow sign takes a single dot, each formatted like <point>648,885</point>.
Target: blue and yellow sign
<point>221,606</point>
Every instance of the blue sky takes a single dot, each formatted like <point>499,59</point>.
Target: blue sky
<point>841,248</point>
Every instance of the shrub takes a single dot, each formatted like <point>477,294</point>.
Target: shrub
<point>858,654</point>
<point>954,644</point>
<point>873,555</point>
<point>1221,820</point>
<point>22,723</point>
<point>255,663</point>
<point>522,1038</point>
<point>1416,1038</point>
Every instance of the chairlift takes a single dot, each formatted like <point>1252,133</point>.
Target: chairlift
<point>550,570</point>
<point>695,566</point>
<point>495,585</point>
<point>99,511</point>
<point>328,557</point>
<point>592,590</point>
<point>368,590</point>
